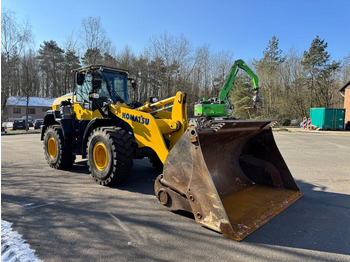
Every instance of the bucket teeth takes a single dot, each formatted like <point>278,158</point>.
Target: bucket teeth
<point>229,174</point>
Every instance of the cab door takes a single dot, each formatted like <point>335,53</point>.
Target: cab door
<point>83,105</point>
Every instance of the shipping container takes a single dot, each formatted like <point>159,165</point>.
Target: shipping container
<point>328,118</point>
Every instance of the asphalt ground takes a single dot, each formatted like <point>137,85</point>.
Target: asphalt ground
<point>66,216</point>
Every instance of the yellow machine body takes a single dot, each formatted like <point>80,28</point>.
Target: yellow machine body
<point>148,126</point>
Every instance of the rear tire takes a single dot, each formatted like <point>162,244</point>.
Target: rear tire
<point>57,154</point>
<point>110,153</point>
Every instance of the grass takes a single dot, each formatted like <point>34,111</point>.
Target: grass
<point>280,129</point>
<point>21,131</point>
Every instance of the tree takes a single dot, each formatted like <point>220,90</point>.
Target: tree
<point>268,70</point>
<point>222,63</point>
<point>109,60</point>
<point>346,69</point>
<point>51,58</point>
<point>294,100</point>
<point>201,78</point>
<point>71,43</point>
<point>126,58</point>
<point>272,54</point>
<point>241,96</point>
<point>14,38</point>
<point>327,86</point>
<point>71,62</point>
<point>29,78</point>
<point>93,36</point>
<point>142,77</point>
<point>316,64</point>
<point>173,55</point>
<point>92,57</point>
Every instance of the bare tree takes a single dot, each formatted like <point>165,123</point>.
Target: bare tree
<point>126,58</point>
<point>94,37</point>
<point>71,43</point>
<point>14,38</point>
<point>346,69</point>
<point>293,103</point>
<point>201,70</point>
<point>172,55</point>
<point>222,63</point>
<point>29,79</point>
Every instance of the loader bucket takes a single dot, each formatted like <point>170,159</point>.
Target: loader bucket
<point>229,174</point>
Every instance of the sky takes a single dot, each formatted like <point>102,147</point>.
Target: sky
<point>243,28</point>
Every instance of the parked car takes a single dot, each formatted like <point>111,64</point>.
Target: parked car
<point>18,124</point>
<point>37,123</point>
<point>30,120</point>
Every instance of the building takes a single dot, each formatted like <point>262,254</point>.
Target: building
<point>345,91</point>
<point>37,106</point>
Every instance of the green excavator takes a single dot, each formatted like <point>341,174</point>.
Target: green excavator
<point>221,106</point>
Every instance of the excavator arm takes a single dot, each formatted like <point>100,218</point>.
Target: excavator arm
<point>239,64</point>
<point>221,106</point>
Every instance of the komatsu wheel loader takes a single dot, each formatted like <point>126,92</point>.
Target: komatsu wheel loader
<point>228,173</point>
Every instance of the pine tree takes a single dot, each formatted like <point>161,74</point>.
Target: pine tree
<point>268,69</point>
<point>316,64</point>
<point>71,62</point>
<point>92,57</point>
<point>51,63</point>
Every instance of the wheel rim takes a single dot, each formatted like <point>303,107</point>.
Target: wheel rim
<point>100,156</point>
<point>52,147</point>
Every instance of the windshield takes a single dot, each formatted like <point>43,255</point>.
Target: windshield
<point>117,84</point>
<point>108,84</point>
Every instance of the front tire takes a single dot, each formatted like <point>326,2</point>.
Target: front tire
<point>57,154</point>
<point>110,153</point>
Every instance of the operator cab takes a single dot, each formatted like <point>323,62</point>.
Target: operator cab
<point>97,85</point>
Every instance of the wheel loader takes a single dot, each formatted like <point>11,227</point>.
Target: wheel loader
<point>228,173</point>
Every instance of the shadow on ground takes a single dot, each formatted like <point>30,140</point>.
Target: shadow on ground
<point>319,221</point>
<point>141,179</point>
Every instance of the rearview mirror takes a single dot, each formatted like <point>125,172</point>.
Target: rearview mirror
<point>133,83</point>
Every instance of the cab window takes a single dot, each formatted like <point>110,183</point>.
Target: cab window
<point>84,89</point>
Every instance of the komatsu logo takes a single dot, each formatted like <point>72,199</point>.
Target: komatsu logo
<point>138,119</point>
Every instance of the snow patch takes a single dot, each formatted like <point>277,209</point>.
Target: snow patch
<point>13,248</point>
